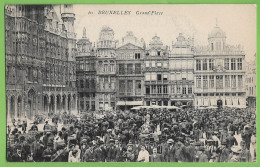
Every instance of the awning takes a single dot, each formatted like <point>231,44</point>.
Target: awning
<point>129,103</point>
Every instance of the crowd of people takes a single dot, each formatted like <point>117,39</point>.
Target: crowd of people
<point>153,135</point>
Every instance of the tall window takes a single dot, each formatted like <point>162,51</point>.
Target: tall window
<point>218,47</point>
<point>129,86</point>
<point>239,63</point>
<point>173,89</point>
<point>226,63</point>
<point>153,89</point>
<point>129,68</point>
<point>233,81</point>
<point>240,81</point>
<point>184,90</point>
<point>205,81</point>
<point>227,81</point>
<point>189,90</point>
<point>153,63</point>
<point>198,64</point>
<point>121,86</point>
<point>165,77</point>
<point>233,64</point>
<point>165,89</point>
<point>212,46</point>
<point>106,83</point>
<point>138,87</point>
<point>159,77</point>
<point>198,81</point>
<point>147,64</point>
<point>113,81</point>
<point>211,81</point>
<point>205,64</point>
<point>82,83</point>
<point>219,82</point>
<point>159,89</point>
<point>121,69</point>
<point>138,68</point>
<point>137,55</point>
<point>147,90</point>
<point>178,89</point>
<point>211,64</point>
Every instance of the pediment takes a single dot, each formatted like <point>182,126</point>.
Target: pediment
<point>129,46</point>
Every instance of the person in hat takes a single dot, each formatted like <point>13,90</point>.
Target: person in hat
<point>170,151</point>
<point>129,154</point>
<point>203,156</point>
<point>89,154</point>
<point>34,127</point>
<point>74,157</point>
<point>61,154</point>
<point>143,155</point>
<point>100,152</point>
<point>16,156</point>
<point>110,150</point>
<point>235,157</point>
<point>231,140</point>
<point>155,157</point>
<point>253,145</point>
<point>214,157</point>
<point>37,148</point>
<point>245,155</point>
<point>108,136</point>
<point>118,151</point>
<point>48,152</point>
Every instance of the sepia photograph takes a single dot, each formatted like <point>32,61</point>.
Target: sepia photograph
<point>130,83</point>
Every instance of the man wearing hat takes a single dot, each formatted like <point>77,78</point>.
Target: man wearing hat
<point>61,154</point>
<point>89,154</point>
<point>155,157</point>
<point>118,151</point>
<point>100,152</point>
<point>143,155</point>
<point>16,156</point>
<point>37,148</point>
<point>110,150</point>
<point>48,152</point>
<point>170,151</point>
<point>203,156</point>
<point>223,152</point>
<point>236,150</point>
<point>245,153</point>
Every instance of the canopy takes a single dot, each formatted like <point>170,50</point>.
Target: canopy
<point>129,103</point>
<point>212,107</point>
<point>237,106</point>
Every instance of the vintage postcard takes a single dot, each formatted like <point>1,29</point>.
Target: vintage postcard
<point>130,83</point>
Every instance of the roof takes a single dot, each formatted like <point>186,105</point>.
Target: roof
<point>217,32</point>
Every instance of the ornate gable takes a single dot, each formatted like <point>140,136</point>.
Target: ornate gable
<point>129,46</point>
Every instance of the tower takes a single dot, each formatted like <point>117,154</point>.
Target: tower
<point>68,18</point>
<point>217,39</point>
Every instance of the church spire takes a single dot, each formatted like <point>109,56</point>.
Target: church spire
<point>84,33</point>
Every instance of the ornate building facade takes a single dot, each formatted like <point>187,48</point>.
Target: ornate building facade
<point>86,74</point>
<point>181,62</point>
<point>219,72</point>
<point>130,77</point>
<point>156,73</point>
<point>106,70</point>
<point>250,83</point>
<point>40,60</point>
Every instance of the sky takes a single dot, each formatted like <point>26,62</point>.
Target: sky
<point>237,21</point>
